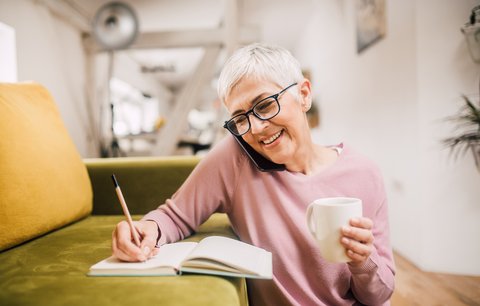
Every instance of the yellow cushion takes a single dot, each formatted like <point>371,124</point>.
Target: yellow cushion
<point>43,182</point>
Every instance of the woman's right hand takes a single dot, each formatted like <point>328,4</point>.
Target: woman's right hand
<point>124,247</point>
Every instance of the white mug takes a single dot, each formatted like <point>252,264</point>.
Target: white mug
<point>325,219</point>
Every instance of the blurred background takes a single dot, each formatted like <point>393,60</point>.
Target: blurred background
<point>386,74</point>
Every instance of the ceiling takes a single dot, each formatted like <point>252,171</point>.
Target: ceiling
<point>275,21</point>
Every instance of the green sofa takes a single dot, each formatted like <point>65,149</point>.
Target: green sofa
<point>57,213</point>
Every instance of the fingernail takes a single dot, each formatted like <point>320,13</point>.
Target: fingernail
<point>346,229</point>
<point>345,240</point>
<point>355,220</point>
<point>146,250</point>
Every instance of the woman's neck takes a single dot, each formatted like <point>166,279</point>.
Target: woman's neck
<point>311,159</point>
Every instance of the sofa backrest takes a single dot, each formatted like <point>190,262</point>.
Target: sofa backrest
<point>44,184</point>
<point>146,182</point>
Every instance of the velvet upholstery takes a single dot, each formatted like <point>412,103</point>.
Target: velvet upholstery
<point>51,270</point>
<point>43,181</point>
<point>146,182</point>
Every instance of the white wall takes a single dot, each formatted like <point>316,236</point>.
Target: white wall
<point>388,102</point>
<point>50,52</point>
<point>450,189</point>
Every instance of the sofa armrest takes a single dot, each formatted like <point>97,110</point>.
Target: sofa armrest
<point>146,182</point>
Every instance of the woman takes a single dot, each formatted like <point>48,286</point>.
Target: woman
<point>267,96</point>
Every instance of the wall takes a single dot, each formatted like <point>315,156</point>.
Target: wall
<point>450,189</point>
<point>50,51</point>
<point>389,102</point>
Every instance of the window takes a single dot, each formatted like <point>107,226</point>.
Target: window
<point>135,118</point>
<point>134,112</point>
<point>8,54</point>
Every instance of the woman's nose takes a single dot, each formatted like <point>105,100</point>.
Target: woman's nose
<point>257,125</point>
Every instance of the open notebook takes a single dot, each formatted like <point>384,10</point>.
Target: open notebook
<point>212,255</point>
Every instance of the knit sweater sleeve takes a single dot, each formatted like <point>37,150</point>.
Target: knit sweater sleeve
<point>373,282</point>
<point>207,190</point>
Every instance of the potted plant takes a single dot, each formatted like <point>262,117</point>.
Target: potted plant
<point>468,122</point>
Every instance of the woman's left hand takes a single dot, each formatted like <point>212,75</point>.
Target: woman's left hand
<point>358,238</point>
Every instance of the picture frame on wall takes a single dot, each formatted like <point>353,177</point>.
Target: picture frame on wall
<point>370,22</point>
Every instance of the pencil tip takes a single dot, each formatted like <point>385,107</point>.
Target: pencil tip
<point>114,181</point>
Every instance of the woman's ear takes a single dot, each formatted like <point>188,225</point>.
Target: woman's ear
<point>305,94</point>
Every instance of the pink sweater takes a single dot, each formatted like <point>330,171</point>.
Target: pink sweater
<point>267,209</point>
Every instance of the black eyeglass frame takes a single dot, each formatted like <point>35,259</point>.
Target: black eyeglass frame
<point>252,111</point>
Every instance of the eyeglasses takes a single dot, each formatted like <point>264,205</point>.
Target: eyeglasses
<point>264,109</point>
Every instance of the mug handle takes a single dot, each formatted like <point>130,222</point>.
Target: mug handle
<point>310,224</point>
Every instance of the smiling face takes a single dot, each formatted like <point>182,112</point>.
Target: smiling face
<point>284,139</point>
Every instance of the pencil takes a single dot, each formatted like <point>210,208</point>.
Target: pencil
<point>125,211</point>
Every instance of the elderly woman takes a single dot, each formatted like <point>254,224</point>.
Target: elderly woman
<point>267,96</point>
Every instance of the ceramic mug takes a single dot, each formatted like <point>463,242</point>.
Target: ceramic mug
<point>325,219</point>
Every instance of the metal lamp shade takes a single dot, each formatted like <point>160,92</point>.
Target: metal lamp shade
<point>115,26</point>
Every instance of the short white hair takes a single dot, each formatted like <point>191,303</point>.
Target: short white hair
<point>261,62</point>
